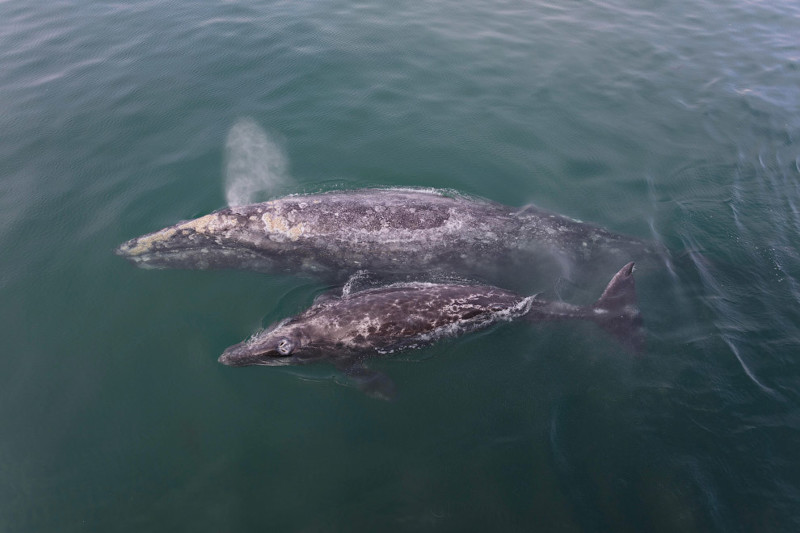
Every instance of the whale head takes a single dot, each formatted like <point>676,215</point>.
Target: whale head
<point>280,345</point>
<point>249,237</point>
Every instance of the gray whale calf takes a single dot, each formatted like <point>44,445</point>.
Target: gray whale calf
<point>347,330</point>
<point>387,232</point>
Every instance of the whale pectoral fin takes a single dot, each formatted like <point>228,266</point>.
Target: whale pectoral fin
<point>373,383</point>
<point>358,281</point>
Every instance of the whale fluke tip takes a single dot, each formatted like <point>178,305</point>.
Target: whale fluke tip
<point>617,310</point>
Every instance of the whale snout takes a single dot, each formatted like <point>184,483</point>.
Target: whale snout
<point>214,241</point>
<point>245,354</point>
<point>255,351</point>
<point>227,359</point>
<point>140,254</point>
<point>127,248</point>
<point>239,355</point>
<point>134,247</point>
<point>157,249</point>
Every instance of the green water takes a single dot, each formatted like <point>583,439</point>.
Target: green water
<point>675,122</point>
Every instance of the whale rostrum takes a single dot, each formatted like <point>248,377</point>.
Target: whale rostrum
<point>387,232</point>
<point>348,330</point>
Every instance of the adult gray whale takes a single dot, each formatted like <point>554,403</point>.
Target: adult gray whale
<point>387,232</point>
<point>400,316</point>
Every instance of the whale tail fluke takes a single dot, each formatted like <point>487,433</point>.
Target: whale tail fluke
<point>617,311</point>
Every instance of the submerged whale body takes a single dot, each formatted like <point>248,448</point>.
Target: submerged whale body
<point>345,331</point>
<point>387,232</point>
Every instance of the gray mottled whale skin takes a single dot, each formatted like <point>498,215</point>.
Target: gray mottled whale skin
<point>385,231</point>
<point>347,330</point>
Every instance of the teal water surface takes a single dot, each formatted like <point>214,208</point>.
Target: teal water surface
<point>675,122</point>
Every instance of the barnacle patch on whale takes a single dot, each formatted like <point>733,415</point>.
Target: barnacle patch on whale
<point>279,228</point>
<point>211,224</point>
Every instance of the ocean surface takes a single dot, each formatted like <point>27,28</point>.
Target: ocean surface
<point>675,122</point>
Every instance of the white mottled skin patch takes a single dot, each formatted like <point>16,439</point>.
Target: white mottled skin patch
<point>279,229</point>
<point>212,224</point>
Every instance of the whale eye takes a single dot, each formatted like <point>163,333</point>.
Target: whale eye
<point>285,347</point>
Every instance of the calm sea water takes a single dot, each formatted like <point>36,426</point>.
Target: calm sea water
<point>677,122</point>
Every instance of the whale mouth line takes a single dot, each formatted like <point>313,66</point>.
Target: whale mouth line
<point>255,358</point>
<point>124,250</point>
